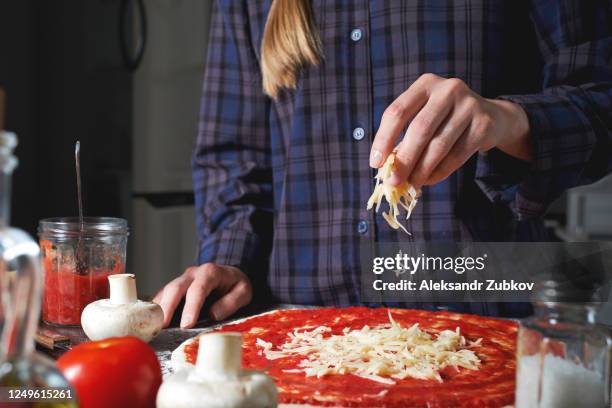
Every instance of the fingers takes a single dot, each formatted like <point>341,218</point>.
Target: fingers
<point>158,296</point>
<point>239,295</point>
<point>448,124</point>
<point>461,151</point>
<point>441,144</point>
<point>196,284</point>
<point>171,295</point>
<point>419,134</point>
<point>472,140</point>
<point>395,118</point>
<point>198,291</point>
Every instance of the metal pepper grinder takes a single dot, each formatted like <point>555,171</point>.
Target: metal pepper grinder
<point>21,368</point>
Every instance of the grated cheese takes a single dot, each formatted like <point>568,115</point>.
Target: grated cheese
<point>404,195</point>
<point>385,353</point>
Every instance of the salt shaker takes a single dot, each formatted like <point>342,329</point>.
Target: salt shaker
<point>563,356</point>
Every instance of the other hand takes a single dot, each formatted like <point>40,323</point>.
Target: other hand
<point>196,284</point>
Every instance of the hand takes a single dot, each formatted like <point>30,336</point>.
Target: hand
<point>196,284</point>
<point>448,124</point>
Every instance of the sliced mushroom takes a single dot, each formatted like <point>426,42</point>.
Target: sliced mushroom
<point>122,314</point>
<point>218,380</point>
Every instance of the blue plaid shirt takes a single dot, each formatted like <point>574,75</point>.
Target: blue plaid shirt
<point>281,186</point>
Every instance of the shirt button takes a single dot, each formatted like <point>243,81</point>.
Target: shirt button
<point>356,34</point>
<point>358,133</point>
<point>362,227</point>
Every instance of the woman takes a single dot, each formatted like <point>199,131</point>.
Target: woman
<point>504,106</point>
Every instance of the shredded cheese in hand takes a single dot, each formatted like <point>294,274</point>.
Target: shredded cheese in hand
<point>384,353</point>
<point>404,195</point>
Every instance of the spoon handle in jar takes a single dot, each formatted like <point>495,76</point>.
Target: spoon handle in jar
<point>77,161</point>
<point>81,265</point>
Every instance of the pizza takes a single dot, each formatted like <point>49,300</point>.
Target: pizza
<point>377,357</point>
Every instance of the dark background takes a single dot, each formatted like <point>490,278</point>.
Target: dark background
<point>61,68</point>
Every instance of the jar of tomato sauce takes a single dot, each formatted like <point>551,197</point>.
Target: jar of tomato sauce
<point>77,260</point>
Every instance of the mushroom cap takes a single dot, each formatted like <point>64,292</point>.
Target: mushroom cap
<point>185,389</point>
<point>102,319</point>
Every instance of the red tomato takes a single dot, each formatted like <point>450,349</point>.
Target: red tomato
<point>120,372</point>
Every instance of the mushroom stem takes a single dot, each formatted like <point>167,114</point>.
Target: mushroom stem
<point>219,355</point>
<point>122,288</point>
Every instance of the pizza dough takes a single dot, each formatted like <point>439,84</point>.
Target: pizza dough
<point>492,385</point>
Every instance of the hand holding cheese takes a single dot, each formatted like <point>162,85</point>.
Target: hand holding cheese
<point>123,314</point>
<point>447,123</point>
<point>218,380</point>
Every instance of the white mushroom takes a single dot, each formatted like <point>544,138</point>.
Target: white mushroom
<point>123,314</point>
<point>218,380</point>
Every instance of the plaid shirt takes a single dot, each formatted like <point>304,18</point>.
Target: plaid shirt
<point>281,186</point>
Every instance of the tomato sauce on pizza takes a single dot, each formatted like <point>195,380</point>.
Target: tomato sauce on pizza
<point>491,385</point>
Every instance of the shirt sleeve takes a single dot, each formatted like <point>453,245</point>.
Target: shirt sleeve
<point>231,164</point>
<point>570,119</point>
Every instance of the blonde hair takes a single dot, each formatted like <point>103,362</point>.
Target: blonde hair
<point>290,41</point>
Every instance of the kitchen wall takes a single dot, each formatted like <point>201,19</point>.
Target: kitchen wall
<point>60,65</point>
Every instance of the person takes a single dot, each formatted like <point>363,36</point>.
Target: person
<point>494,107</point>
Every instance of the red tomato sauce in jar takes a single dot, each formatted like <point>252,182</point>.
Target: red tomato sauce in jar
<point>66,292</point>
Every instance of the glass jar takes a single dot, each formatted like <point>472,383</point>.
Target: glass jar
<point>77,260</point>
<point>563,356</point>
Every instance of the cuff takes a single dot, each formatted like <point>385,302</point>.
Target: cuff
<point>499,176</point>
<point>230,247</point>
<point>563,140</point>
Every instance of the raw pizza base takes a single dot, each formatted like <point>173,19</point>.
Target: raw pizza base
<point>178,357</point>
<point>178,361</point>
